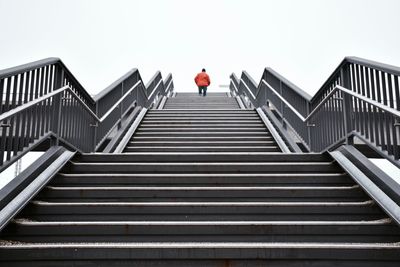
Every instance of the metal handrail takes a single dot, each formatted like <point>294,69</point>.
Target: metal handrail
<point>25,106</point>
<point>38,78</point>
<point>285,101</point>
<point>118,102</point>
<point>337,88</point>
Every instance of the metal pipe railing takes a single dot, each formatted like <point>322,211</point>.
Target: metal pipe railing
<point>21,84</point>
<point>67,113</point>
<point>360,98</point>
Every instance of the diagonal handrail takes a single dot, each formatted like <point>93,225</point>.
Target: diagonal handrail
<point>24,83</point>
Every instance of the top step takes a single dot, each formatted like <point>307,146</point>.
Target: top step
<point>190,101</point>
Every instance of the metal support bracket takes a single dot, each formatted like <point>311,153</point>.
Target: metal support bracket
<point>5,125</point>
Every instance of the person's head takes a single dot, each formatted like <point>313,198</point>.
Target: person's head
<point>203,70</point>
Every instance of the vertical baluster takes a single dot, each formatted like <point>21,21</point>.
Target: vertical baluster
<point>27,114</point>
<point>338,117</point>
<point>336,108</point>
<point>364,128</point>
<point>18,100</point>
<point>75,120</point>
<point>396,131</point>
<point>375,110</point>
<point>395,134</point>
<point>42,103</point>
<point>23,114</point>
<point>79,131</point>
<point>1,94</point>
<point>72,117</point>
<point>4,85</point>
<point>45,103</point>
<point>359,102</point>
<point>391,131</point>
<point>390,90</point>
<point>341,115</point>
<point>354,101</point>
<point>11,129</point>
<point>6,106</point>
<point>1,128</point>
<point>380,115</point>
<point>68,114</point>
<point>65,114</point>
<point>3,142</point>
<point>90,130</point>
<point>323,127</point>
<point>327,113</point>
<point>388,129</point>
<point>38,110</point>
<point>386,100</point>
<point>33,93</point>
<point>50,83</point>
<point>369,133</point>
<point>397,92</point>
<point>332,119</point>
<point>86,134</point>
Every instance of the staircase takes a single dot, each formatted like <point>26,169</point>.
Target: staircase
<point>201,184</point>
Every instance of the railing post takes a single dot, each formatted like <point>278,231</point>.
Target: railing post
<point>96,129</point>
<point>282,107</point>
<point>265,77</point>
<point>121,105</point>
<point>347,104</point>
<point>57,104</point>
<point>310,146</point>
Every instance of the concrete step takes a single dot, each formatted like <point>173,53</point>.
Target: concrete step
<point>204,167</point>
<point>198,254</point>
<point>192,133</point>
<point>202,211</point>
<point>196,179</point>
<point>198,231</point>
<point>136,143</point>
<point>177,128</point>
<point>202,138</point>
<point>202,193</point>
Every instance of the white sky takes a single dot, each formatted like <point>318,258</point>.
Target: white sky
<point>101,40</point>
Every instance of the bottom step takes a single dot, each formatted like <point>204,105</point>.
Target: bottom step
<point>200,254</point>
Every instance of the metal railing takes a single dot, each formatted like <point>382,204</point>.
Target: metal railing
<point>60,114</point>
<point>361,98</point>
<point>22,84</point>
<point>66,114</point>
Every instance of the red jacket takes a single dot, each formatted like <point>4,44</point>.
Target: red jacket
<point>202,79</point>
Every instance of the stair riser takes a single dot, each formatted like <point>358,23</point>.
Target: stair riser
<point>204,195</point>
<point>202,168</point>
<point>207,157</point>
<point>203,233</point>
<point>201,181</point>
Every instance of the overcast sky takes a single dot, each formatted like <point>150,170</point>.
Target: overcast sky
<point>101,40</point>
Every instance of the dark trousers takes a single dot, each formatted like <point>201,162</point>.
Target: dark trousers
<point>204,89</point>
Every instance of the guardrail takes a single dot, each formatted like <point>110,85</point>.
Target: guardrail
<point>35,109</point>
<point>361,98</point>
<point>24,83</point>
